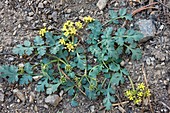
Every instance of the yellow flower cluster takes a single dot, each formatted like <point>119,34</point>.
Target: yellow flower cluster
<point>88,19</point>
<point>138,94</point>
<point>42,32</point>
<point>70,46</point>
<point>70,28</point>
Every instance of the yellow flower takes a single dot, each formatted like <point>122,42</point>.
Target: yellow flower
<point>66,33</point>
<point>69,23</point>
<point>70,47</point>
<point>42,32</point>
<point>62,41</point>
<point>140,94</point>
<point>137,101</point>
<point>79,25</point>
<point>141,86</point>
<point>128,93</point>
<point>68,67</point>
<point>64,28</point>
<point>148,93</point>
<point>72,30</point>
<point>131,97</point>
<point>88,19</point>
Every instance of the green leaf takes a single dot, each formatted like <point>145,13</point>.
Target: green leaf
<point>18,50</point>
<point>9,72</point>
<point>117,78</point>
<point>125,71</point>
<point>122,11</point>
<point>50,39</point>
<point>136,54</point>
<point>114,67</point>
<point>29,50</point>
<point>28,68</point>
<point>41,50</point>
<point>81,63</point>
<point>52,88</point>
<point>107,33</point>
<point>38,41</point>
<point>128,17</point>
<point>74,103</point>
<point>71,92</point>
<point>55,49</point>
<point>42,84</point>
<point>112,14</point>
<point>27,43</point>
<point>25,79</point>
<point>119,41</point>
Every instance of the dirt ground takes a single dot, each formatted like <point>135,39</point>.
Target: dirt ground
<point>21,19</point>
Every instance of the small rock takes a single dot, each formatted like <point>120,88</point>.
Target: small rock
<point>40,5</point>
<point>148,61</point>
<point>19,94</point>
<point>29,18</point>
<point>11,58</point>
<point>14,33</point>
<point>18,100</point>
<point>147,28</point>
<point>54,16</point>
<point>31,97</point>
<point>35,108</point>
<point>46,106</point>
<point>31,13</point>
<point>36,78</point>
<point>45,2</point>
<point>82,10</point>
<point>53,99</point>
<point>68,10</point>
<point>101,4</point>
<point>169,90</point>
<point>158,67</point>
<point>92,108</point>
<point>61,93</point>
<point>1,97</point>
<point>122,63</point>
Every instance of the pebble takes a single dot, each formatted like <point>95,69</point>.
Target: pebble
<point>169,89</point>
<point>11,58</point>
<point>19,94</point>
<point>82,10</point>
<point>31,97</point>
<point>45,2</point>
<point>122,63</point>
<point>54,16</point>
<point>68,10</point>
<point>14,33</point>
<point>29,18</point>
<point>53,99</point>
<point>31,13</point>
<point>148,61</point>
<point>158,66</point>
<point>101,4</point>
<point>40,5</point>
<point>1,97</point>
<point>92,108</point>
<point>46,106</point>
<point>19,25</point>
<point>147,28</point>
<point>35,108</point>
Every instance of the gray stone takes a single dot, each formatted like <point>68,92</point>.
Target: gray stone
<point>29,18</point>
<point>53,99</point>
<point>19,94</point>
<point>148,61</point>
<point>68,10</point>
<point>101,4</point>
<point>40,5</point>
<point>147,28</point>
<point>92,108</point>
<point>1,97</point>
<point>31,13</point>
<point>54,16</point>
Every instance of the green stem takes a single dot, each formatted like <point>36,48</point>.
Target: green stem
<point>58,59</point>
<point>131,82</point>
<point>112,20</point>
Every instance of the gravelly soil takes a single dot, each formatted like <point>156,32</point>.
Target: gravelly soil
<point>21,19</point>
